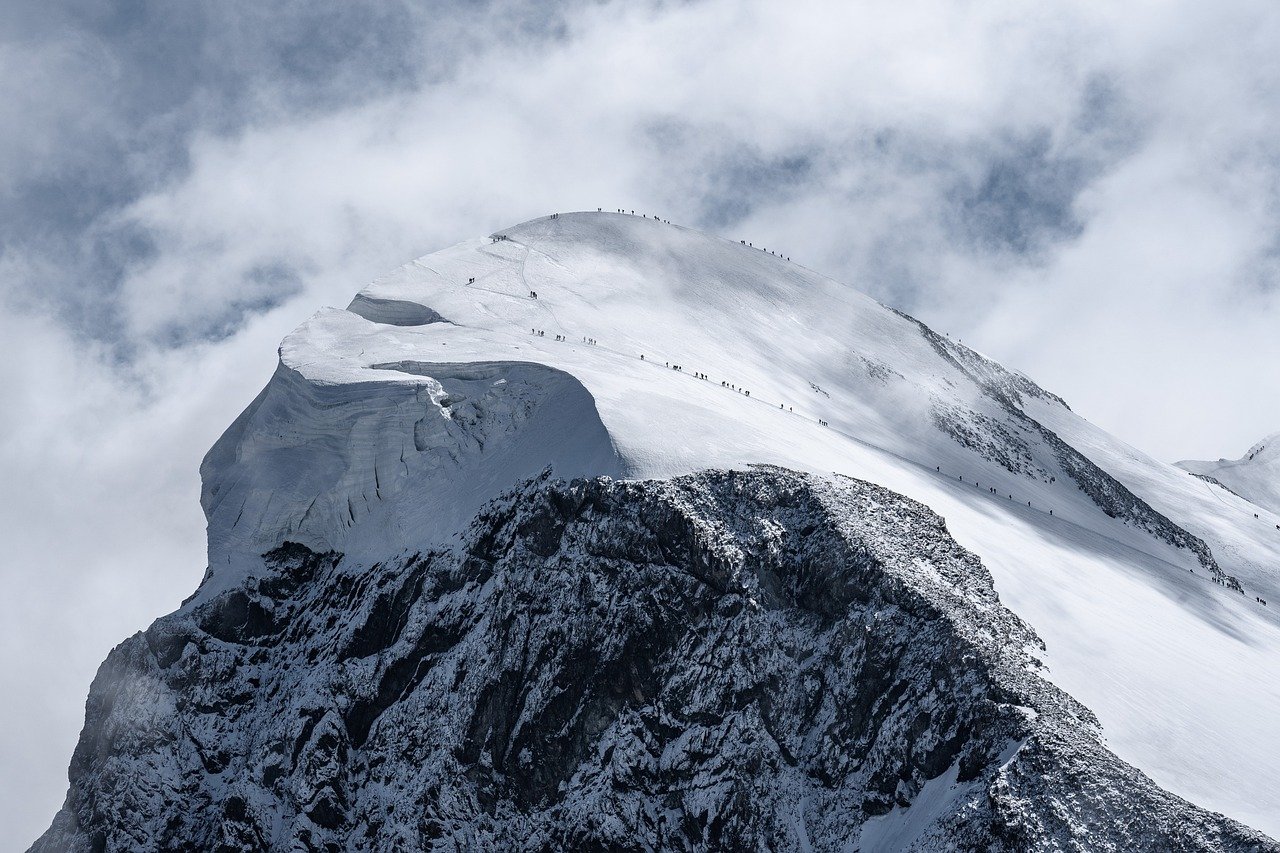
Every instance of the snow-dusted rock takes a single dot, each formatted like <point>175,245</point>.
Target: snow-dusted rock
<point>724,661</point>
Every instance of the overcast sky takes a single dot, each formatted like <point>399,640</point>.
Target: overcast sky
<point>1085,191</point>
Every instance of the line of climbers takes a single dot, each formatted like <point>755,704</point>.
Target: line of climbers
<point>676,367</point>
<point>494,238</point>
<point>724,384</point>
<point>763,249</point>
<point>629,212</point>
<point>991,489</point>
<point>668,222</point>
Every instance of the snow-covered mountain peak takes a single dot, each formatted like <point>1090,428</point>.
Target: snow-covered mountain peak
<point>606,344</point>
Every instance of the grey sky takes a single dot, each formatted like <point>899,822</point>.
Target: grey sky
<point>1086,192</point>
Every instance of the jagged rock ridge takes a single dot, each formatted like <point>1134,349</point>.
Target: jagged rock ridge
<point>758,660</point>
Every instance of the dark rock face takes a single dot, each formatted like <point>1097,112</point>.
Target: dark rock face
<point>725,661</point>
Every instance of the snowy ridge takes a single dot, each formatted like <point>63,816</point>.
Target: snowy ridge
<point>1115,500</point>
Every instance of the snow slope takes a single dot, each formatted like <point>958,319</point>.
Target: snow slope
<point>653,350</point>
<point>1254,476</point>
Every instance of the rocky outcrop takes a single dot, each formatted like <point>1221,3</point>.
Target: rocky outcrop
<point>724,661</point>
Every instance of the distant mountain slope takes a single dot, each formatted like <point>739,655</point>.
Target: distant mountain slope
<point>1254,476</point>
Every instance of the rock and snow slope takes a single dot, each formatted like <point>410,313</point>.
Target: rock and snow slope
<point>1254,476</point>
<point>652,351</point>
<point>724,661</point>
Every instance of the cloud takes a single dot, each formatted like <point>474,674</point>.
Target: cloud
<point>1084,191</point>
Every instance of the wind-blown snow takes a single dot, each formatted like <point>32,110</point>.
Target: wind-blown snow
<point>653,350</point>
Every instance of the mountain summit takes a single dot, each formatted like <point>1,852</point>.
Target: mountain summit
<point>603,533</point>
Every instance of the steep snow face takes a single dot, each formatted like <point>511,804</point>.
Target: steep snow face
<point>673,351</point>
<point>724,661</point>
<point>1254,476</point>
<point>363,466</point>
